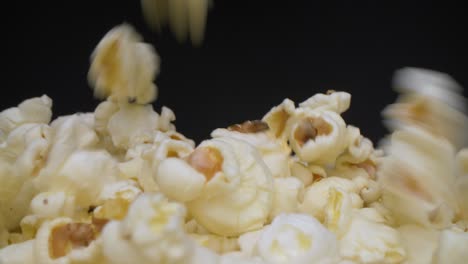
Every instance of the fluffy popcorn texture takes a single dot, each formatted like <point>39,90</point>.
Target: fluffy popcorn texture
<point>123,68</point>
<point>24,144</point>
<point>452,248</point>
<point>287,194</point>
<point>278,116</point>
<point>132,122</point>
<point>369,241</point>
<point>239,197</point>
<point>338,211</point>
<point>418,179</point>
<point>21,253</point>
<point>334,101</point>
<point>317,136</point>
<point>316,195</point>
<point>151,232</point>
<point>35,110</point>
<point>297,238</point>
<point>429,100</point>
<point>274,152</point>
<point>420,243</point>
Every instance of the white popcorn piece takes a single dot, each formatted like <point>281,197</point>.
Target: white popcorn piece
<point>64,241</point>
<point>179,181</point>
<point>307,173</point>
<point>418,179</point>
<point>216,243</point>
<point>297,238</point>
<point>124,68</point>
<point>368,241</point>
<point>452,248</point>
<point>238,194</point>
<point>338,211</point>
<point>317,136</point>
<point>35,110</point>
<point>430,100</point>
<point>132,123</point>
<point>275,152</point>
<point>359,147</point>
<point>152,232</point>
<point>333,101</point>
<point>420,243</point>
<point>239,257</point>
<point>21,253</point>
<point>278,117</point>
<point>316,195</point>
<point>227,187</point>
<point>49,204</point>
<point>287,194</point>
<point>22,156</point>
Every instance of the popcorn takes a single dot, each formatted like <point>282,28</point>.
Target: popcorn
<point>151,232</point>
<point>132,122</point>
<point>287,194</point>
<point>452,248</point>
<point>184,17</point>
<point>278,117</point>
<point>237,188</point>
<point>216,243</point>
<point>317,195</point>
<point>418,178</point>
<point>337,102</point>
<point>317,136</point>
<point>307,173</point>
<point>32,111</point>
<point>420,243</point>
<point>275,152</point>
<point>338,211</point>
<point>431,101</point>
<point>368,241</point>
<point>21,253</point>
<point>63,241</point>
<point>297,238</point>
<point>123,68</point>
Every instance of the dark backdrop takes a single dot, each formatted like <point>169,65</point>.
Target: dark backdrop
<point>255,54</point>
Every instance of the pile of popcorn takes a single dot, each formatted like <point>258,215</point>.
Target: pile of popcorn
<point>121,185</point>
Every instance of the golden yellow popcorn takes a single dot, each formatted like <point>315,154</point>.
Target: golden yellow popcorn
<point>230,189</point>
<point>124,68</point>
<point>296,238</point>
<point>64,241</point>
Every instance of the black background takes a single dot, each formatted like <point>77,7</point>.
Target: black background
<point>255,54</point>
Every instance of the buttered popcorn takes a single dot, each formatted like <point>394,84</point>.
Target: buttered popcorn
<point>122,185</point>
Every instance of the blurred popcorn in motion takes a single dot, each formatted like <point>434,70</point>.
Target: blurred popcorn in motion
<point>424,174</point>
<point>185,17</point>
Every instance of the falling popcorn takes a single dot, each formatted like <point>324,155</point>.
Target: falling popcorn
<point>122,185</point>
